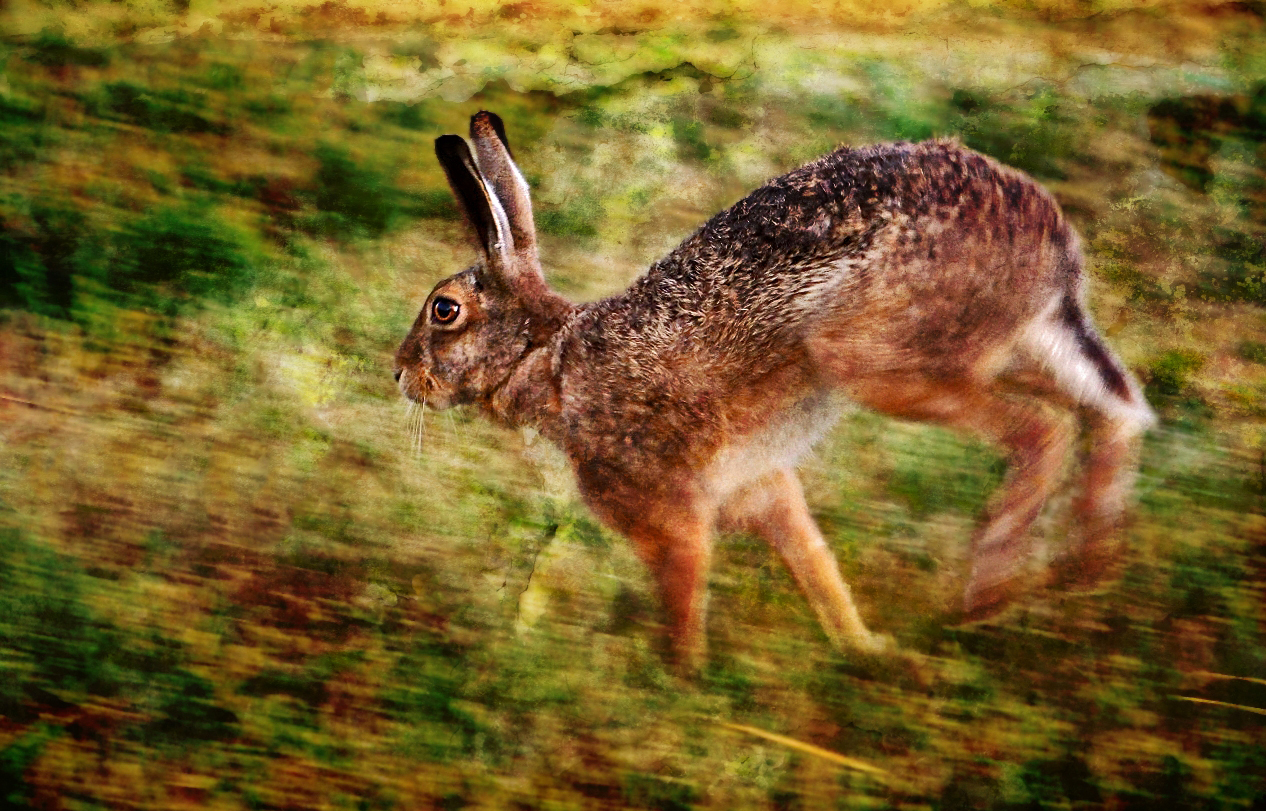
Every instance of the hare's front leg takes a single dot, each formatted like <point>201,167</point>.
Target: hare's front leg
<point>674,539</point>
<point>774,508</point>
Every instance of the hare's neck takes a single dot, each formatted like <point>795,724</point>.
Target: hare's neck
<point>529,396</point>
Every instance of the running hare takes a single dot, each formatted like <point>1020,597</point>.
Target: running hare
<point>923,280</point>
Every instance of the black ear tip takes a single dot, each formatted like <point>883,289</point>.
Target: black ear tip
<point>445,143</point>
<point>482,120</point>
<point>452,149</point>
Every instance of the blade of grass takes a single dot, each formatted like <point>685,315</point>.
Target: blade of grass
<point>1223,676</point>
<point>1195,700</point>
<point>32,404</point>
<point>809,749</point>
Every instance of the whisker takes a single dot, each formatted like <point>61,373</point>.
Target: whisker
<point>414,415</point>
<point>411,426</point>
<point>448,415</point>
<point>410,413</point>
<point>421,432</point>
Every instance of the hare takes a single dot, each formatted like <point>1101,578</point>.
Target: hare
<point>921,280</point>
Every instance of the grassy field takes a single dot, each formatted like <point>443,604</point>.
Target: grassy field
<point>234,575</point>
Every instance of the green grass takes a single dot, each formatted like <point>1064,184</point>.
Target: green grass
<point>229,580</point>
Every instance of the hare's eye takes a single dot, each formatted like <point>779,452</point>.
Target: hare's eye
<point>445,310</point>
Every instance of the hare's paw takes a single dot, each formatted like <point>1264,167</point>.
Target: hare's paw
<point>874,643</point>
<point>1091,569</point>
<point>983,602</point>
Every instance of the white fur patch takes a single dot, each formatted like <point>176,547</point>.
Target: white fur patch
<point>1053,344</point>
<point>779,445</point>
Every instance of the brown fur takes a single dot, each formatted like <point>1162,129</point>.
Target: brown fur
<point>923,280</point>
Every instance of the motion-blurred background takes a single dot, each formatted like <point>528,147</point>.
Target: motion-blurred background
<point>235,574</point>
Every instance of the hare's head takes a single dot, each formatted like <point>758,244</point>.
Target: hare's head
<point>477,325</point>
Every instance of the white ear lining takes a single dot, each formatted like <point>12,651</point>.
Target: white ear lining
<point>518,176</point>
<point>508,185</point>
<point>504,244</point>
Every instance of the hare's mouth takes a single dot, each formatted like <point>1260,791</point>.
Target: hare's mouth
<point>420,386</point>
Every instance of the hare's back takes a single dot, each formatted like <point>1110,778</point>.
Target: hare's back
<point>900,209</point>
<point>909,248</point>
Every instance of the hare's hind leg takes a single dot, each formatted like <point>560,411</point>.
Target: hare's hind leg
<point>1037,440</point>
<point>1081,369</point>
<point>775,509</point>
<point>1096,554</point>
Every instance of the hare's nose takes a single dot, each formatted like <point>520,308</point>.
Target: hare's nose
<point>397,374</point>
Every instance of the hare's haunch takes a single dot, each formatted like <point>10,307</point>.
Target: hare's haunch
<point>922,280</point>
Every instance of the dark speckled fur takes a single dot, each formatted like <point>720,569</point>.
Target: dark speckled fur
<point>923,280</point>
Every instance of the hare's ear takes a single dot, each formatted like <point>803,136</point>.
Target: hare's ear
<point>478,202</point>
<point>492,150</point>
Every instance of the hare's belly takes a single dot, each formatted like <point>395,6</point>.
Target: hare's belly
<point>778,444</point>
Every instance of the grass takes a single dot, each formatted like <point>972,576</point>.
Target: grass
<point>228,579</point>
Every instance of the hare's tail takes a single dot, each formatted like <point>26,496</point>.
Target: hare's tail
<point>1064,341</point>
